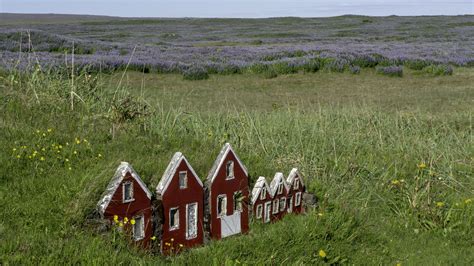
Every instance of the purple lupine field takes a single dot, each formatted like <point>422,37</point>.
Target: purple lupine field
<point>232,45</point>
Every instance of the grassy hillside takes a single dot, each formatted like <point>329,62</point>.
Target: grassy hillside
<point>391,161</point>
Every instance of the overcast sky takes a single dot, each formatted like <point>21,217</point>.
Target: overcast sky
<point>240,8</point>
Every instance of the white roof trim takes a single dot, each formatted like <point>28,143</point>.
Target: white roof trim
<point>261,182</point>
<point>291,177</point>
<point>220,160</point>
<point>114,183</point>
<point>276,180</point>
<point>170,172</point>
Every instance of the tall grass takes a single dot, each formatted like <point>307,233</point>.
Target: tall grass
<point>387,183</point>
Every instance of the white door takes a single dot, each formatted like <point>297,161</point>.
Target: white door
<point>230,224</point>
<point>191,220</point>
<point>290,205</point>
<point>267,210</point>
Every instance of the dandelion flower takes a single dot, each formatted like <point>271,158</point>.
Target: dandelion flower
<point>115,217</point>
<point>439,204</point>
<point>153,238</point>
<point>422,165</point>
<point>78,142</point>
<point>132,221</point>
<point>120,224</point>
<point>322,253</point>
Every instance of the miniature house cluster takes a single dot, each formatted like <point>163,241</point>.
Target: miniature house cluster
<point>185,212</point>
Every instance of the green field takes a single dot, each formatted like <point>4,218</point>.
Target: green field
<point>391,161</point>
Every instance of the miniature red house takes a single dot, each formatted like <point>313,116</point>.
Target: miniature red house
<point>181,194</point>
<point>127,203</point>
<point>296,189</point>
<point>227,195</point>
<point>262,200</point>
<point>279,189</point>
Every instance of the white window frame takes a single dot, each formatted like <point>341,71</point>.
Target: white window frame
<point>238,206</point>
<point>140,219</point>
<point>124,184</point>
<point>298,199</point>
<point>258,211</point>
<point>297,184</point>
<point>176,226</point>
<point>266,218</point>
<point>196,221</point>
<point>224,209</point>
<point>282,206</point>
<point>263,193</point>
<point>185,179</point>
<point>275,208</point>
<point>229,172</point>
<point>280,188</point>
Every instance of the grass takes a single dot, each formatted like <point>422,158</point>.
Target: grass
<point>361,141</point>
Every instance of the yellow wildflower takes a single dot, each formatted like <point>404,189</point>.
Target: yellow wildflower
<point>29,157</point>
<point>132,221</point>
<point>60,146</point>
<point>50,130</point>
<point>395,182</point>
<point>18,156</point>
<point>67,160</point>
<point>70,168</point>
<point>115,217</point>
<point>467,201</point>
<point>44,134</point>
<point>37,131</point>
<point>99,155</point>
<point>43,149</point>
<point>440,204</point>
<point>422,165</point>
<point>78,142</point>
<point>172,239</point>
<point>181,245</point>
<point>322,253</point>
<point>153,238</point>
<point>23,147</point>
<point>14,149</point>
<point>399,264</point>
<point>121,224</point>
<point>75,152</point>
<point>42,158</point>
<point>320,214</point>
<point>168,244</point>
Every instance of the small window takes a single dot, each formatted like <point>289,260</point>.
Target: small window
<point>298,199</point>
<point>282,204</point>
<point>229,169</point>
<point>263,194</point>
<point>280,188</point>
<point>139,228</point>
<point>183,179</point>
<point>221,205</point>
<point>238,198</point>
<point>275,206</point>
<point>258,213</point>
<point>174,218</point>
<point>127,191</point>
<point>297,183</point>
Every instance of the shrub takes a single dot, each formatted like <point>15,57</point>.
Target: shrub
<point>337,65</point>
<point>312,66</point>
<point>195,73</point>
<point>284,68</point>
<point>258,68</point>
<point>392,71</point>
<point>354,69</point>
<point>438,70</point>
<point>270,73</point>
<point>416,64</point>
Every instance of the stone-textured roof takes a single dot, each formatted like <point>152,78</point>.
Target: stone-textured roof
<point>114,183</point>
<point>170,172</point>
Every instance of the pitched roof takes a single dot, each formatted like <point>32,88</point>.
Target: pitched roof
<point>276,181</point>
<point>261,182</point>
<point>220,160</point>
<point>170,172</point>
<point>294,172</point>
<point>114,183</point>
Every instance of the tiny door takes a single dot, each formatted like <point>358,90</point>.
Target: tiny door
<point>191,220</point>
<point>267,211</point>
<point>290,204</point>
